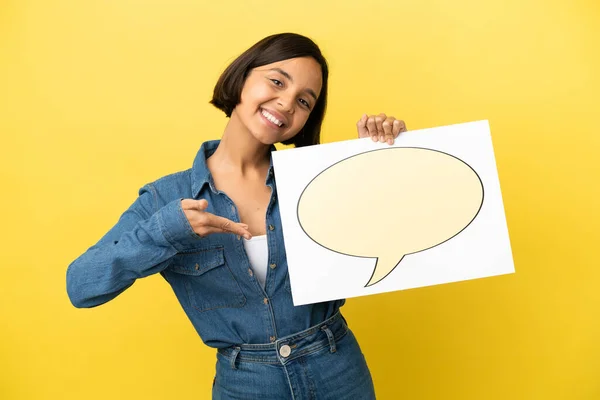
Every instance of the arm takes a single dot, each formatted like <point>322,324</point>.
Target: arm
<point>140,244</point>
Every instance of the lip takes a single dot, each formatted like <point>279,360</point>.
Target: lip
<point>276,115</point>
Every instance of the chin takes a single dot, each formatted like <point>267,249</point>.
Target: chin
<point>269,138</point>
<point>266,139</point>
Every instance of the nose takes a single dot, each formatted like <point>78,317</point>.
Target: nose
<point>286,102</point>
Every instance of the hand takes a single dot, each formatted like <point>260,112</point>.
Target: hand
<point>205,223</point>
<point>380,128</point>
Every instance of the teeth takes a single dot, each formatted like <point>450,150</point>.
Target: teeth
<point>272,118</point>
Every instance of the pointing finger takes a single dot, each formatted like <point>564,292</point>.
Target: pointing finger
<point>227,225</point>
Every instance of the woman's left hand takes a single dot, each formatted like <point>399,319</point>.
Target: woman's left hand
<point>380,128</point>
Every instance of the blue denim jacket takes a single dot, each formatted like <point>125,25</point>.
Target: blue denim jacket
<point>211,276</point>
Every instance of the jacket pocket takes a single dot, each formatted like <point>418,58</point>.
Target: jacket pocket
<point>208,280</point>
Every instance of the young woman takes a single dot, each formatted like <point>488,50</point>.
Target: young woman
<point>214,233</point>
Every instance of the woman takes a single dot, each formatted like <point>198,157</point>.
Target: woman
<point>214,233</point>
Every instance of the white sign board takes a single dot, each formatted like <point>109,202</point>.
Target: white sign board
<point>361,218</point>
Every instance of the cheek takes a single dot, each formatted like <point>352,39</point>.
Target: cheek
<point>300,120</point>
<point>298,124</point>
<point>255,94</point>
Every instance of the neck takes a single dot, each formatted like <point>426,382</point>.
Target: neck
<point>239,151</point>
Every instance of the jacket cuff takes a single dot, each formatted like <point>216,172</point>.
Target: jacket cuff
<point>175,227</point>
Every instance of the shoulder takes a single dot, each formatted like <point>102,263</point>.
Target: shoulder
<point>168,188</point>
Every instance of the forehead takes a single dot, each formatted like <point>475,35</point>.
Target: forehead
<point>304,71</point>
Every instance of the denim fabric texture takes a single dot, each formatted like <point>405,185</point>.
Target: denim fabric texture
<point>322,363</point>
<point>211,276</point>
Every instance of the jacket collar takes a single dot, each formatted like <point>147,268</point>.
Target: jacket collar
<point>201,174</point>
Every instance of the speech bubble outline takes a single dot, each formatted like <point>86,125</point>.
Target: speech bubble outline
<point>445,237</point>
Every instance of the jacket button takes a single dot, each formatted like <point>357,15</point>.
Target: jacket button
<point>250,272</point>
<point>271,228</point>
<point>273,266</point>
<point>272,339</point>
<point>196,267</point>
<point>285,350</point>
<point>265,300</point>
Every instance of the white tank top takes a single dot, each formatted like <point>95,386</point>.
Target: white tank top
<point>258,254</point>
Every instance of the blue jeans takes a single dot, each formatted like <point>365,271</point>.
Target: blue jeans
<point>321,363</point>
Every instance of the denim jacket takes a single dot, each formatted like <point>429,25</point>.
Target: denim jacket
<point>211,276</point>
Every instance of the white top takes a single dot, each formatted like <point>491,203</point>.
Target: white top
<point>258,254</point>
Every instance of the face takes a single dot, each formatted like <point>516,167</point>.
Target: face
<point>277,98</point>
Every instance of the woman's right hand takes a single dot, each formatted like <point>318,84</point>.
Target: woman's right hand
<point>205,223</point>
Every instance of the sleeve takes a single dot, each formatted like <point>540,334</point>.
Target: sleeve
<point>140,244</point>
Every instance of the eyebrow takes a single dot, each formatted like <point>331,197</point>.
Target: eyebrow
<point>288,76</point>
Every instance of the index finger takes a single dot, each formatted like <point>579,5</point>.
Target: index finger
<point>227,225</point>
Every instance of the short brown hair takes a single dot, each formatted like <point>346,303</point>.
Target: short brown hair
<point>283,46</point>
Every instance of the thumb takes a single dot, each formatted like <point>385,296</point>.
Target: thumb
<point>201,205</point>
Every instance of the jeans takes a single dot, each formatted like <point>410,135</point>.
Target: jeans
<point>321,363</point>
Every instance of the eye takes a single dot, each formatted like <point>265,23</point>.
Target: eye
<point>305,103</point>
<point>277,82</point>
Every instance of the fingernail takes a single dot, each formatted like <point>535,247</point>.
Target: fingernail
<point>247,236</point>
<point>390,142</point>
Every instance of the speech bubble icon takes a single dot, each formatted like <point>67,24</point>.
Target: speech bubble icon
<point>388,203</point>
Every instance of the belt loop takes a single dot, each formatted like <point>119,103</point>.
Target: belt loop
<point>326,329</point>
<point>234,354</point>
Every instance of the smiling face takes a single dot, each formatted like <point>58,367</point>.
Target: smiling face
<point>277,99</point>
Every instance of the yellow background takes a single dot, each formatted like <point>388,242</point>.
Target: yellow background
<point>99,97</point>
